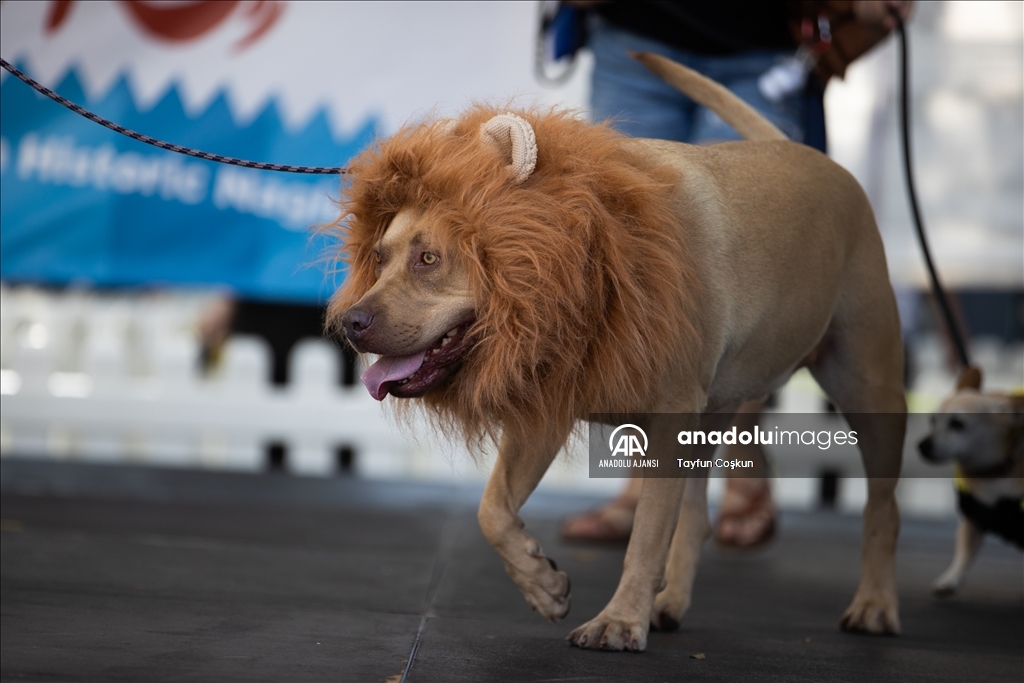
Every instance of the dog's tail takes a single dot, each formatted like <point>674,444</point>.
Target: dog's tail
<point>745,119</point>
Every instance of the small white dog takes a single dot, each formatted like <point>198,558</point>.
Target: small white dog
<point>983,433</point>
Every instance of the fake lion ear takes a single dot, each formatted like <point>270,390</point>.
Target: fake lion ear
<point>514,138</point>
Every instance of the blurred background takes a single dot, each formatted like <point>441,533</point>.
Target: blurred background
<point>162,310</point>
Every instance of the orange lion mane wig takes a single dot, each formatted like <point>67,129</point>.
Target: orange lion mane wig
<point>584,296</point>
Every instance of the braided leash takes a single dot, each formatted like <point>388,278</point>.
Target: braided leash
<point>953,327</point>
<point>317,170</point>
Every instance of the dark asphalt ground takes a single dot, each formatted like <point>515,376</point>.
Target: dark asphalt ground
<point>114,573</point>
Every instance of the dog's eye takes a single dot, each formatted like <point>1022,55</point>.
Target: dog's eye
<point>956,424</point>
<point>376,255</point>
<point>428,258</point>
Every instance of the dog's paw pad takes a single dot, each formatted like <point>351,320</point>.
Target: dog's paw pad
<point>551,596</point>
<point>550,608</point>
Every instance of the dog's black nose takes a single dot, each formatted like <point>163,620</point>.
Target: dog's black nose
<point>356,322</point>
<point>925,447</point>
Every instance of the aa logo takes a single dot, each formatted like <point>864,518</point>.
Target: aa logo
<point>628,443</point>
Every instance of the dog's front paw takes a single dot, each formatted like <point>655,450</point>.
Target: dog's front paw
<point>874,614</point>
<point>605,633</point>
<point>668,611</point>
<point>546,589</point>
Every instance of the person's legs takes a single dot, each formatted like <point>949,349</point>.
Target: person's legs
<point>632,99</point>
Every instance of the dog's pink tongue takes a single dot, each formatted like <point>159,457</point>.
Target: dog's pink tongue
<point>390,369</point>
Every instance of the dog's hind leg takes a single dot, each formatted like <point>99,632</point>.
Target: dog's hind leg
<point>859,364</point>
<point>516,473</point>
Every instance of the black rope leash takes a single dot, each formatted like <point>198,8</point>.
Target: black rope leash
<point>259,165</point>
<point>940,293</point>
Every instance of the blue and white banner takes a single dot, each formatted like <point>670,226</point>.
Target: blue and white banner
<point>293,83</point>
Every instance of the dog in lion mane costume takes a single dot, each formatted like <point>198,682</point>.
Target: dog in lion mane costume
<point>520,272</point>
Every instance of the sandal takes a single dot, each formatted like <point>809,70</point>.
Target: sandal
<point>611,523</point>
<point>750,525</point>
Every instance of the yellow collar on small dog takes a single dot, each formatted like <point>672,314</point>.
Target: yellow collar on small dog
<point>958,478</point>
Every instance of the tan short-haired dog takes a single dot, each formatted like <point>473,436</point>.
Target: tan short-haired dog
<point>518,272</point>
<point>983,433</point>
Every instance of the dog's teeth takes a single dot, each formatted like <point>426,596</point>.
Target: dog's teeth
<point>445,341</point>
<point>451,332</point>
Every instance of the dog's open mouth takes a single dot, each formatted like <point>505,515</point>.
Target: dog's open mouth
<point>416,374</point>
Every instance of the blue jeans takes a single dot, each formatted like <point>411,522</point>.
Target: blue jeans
<point>640,104</point>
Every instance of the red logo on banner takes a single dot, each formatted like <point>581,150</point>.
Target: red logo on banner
<point>182,22</point>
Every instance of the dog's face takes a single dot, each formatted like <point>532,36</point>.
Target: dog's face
<point>416,314</point>
<point>976,430</point>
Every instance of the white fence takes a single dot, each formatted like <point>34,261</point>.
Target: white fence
<point>117,379</point>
